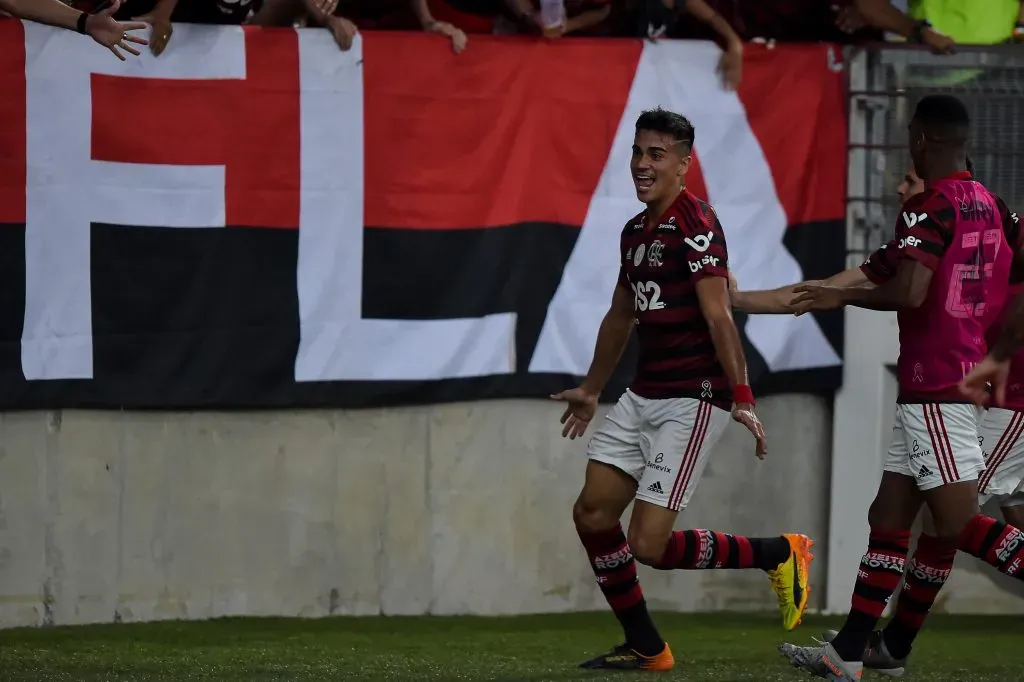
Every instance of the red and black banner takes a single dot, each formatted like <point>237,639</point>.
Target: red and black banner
<point>255,219</point>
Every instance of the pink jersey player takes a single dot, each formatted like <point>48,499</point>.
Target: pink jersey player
<point>954,228</point>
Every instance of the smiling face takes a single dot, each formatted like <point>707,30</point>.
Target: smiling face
<point>658,165</point>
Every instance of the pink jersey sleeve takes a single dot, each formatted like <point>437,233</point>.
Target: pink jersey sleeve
<point>706,254</point>
<point>924,228</point>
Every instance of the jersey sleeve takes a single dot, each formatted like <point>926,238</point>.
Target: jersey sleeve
<point>1015,238</point>
<point>880,266</point>
<point>925,228</point>
<point>705,254</point>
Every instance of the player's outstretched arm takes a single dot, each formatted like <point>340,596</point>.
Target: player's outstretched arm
<point>713,296</point>
<point>612,337</point>
<point>906,289</point>
<point>780,301</point>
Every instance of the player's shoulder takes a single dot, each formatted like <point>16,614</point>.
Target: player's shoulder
<point>929,205</point>
<point>694,213</point>
<point>1003,207</point>
<point>634,224</point>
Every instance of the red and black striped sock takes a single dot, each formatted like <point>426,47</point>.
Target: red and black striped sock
<point>929,568</point>
<point>881,569</point>
<point>995,542</point>
<point>613,564</point>
<point>702,549</point>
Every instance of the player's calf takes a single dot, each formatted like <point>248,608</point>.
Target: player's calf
<point>997,543</point>
<point>615,569</point>
<point>881,569</point>
<point>927,571</point>
<point>786,559</point>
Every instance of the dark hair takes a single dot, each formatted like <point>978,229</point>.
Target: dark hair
<point>668,123</point>
<point>970,165</point>
<point>944,118</point>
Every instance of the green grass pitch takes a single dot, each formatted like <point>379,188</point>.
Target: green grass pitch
<point>520,649</point>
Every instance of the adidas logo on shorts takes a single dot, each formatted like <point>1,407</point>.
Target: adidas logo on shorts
<point>655,488</point>
<point>925,472</point>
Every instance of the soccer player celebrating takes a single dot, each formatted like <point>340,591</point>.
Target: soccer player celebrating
<point>1000,437</point>
<point>691,374</point>
<point>952,257</point>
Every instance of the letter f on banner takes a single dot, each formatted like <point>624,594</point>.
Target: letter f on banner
<point>107,142</point>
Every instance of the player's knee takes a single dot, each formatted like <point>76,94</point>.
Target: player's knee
<point>1014,515</point>
<point>949,526</point>
<point>648,548</point>
<point>591,517</point>
<point>880,515</point>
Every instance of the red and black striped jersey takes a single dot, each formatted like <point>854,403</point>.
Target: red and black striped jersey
<point>661,263</point>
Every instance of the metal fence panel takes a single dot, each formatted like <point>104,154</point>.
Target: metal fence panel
<point>885,85</point>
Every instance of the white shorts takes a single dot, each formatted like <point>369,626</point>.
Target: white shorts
<point>1001,441</point>
<point>936,444</point>
<point>663,444</point>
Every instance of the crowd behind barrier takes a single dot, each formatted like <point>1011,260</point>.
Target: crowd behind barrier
<point>938,24</point>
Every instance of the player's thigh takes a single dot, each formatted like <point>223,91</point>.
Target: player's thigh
<point>676,440</point>
<point>896,504</point>
<point>941,443</point>
<point>897,501</point>
<point>1003,449</point>
<point>615,464</point>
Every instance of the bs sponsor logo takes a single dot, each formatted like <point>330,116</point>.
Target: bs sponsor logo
<point>911,219</point>
<point>701,242</point>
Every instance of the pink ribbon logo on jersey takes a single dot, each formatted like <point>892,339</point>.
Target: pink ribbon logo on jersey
<point>918,373</point>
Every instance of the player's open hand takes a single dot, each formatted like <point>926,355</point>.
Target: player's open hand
<point>744,414</point>
<point>813,296</point>
<point>578,413</point>
<point>985,381</point>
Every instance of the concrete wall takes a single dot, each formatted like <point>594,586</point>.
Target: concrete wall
<point>448,509</point>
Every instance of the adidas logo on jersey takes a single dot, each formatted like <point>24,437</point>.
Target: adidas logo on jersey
<point>655,488</point>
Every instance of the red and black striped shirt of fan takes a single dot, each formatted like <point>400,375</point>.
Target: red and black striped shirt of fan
<point>662,261</point>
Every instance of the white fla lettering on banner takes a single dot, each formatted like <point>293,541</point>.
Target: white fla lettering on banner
<point>67,191</point>
<point>337,343</point>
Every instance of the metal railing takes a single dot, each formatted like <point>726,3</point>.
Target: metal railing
<point>884,85</point>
